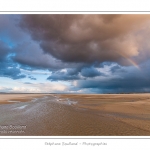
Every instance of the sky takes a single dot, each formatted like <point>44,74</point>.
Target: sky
<point>75,53</point>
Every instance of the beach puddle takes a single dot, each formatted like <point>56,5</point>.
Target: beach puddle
<point>21,107</point>
<point>66,101</point>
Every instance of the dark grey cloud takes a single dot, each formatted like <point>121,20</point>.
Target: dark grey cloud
<point>27,83</point>
<point>116,68</point>
<point>30,55</point>
<point>31,77</point>
<point>122,80</point>
<point>87,38</point>
<point>128,85</point>
<point>90,72</point>
<point>66,75</point>
<point>10,32</point>
<point>11,72</point>
<point>75,73</point>
<point>7,67</point>
<point>4,51</point>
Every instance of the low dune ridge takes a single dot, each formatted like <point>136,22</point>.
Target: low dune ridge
<point>76,114</point>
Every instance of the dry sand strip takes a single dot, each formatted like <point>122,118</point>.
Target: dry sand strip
<point>13,98</point>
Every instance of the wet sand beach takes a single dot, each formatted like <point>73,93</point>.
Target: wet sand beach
<point>75,114</point>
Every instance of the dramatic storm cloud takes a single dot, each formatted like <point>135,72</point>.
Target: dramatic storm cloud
<point>80,53</point>
<point>87,38</point>
<point>7,68</point>
<point>119,80</point>
<point>4,50</point>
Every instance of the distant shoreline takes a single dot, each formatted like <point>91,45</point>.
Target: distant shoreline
<point>78,93</point>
